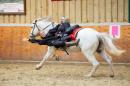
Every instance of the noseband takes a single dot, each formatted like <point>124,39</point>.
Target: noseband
<point>35,25</point>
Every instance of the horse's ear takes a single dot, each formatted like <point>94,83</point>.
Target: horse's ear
<point>35,21</point>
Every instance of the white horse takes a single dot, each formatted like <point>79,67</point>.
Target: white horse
<point>90,42</point>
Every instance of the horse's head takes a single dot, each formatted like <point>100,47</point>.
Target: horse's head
<point>40,27</point>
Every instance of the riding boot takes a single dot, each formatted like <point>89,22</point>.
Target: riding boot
<point>73,43</point>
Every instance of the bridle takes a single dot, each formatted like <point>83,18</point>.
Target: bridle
<point>35,25</point>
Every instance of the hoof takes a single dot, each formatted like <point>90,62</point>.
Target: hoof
<point>112,76</point>
<point>38,67</point>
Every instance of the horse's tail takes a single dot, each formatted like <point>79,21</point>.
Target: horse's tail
<point>108,44</point>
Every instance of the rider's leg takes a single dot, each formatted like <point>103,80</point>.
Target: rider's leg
<point>66,38</point>
<point>59,43</point>
<point>72,43</point>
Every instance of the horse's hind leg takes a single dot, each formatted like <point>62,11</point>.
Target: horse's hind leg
<point>49,53</point>
<point>108,59</point>
<point>91,58</point>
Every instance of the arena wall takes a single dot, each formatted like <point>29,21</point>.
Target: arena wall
<point>12,46</point>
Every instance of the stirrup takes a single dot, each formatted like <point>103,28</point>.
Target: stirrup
<point>77,42</point>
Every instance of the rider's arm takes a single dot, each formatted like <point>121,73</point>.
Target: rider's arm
<point>39,41</point>
<point>34,40</point>
<point>54,30</point>
<point>43,41</point>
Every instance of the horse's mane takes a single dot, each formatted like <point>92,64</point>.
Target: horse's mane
<point>41,19</point>
<point>48,19</point>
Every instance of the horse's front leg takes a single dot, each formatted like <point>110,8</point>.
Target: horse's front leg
<point>49,53</point>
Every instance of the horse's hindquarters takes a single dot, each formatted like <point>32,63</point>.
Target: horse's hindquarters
<point>88,39</point>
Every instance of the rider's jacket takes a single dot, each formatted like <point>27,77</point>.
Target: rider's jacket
<point>59,30</point>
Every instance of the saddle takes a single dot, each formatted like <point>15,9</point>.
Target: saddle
<point>73,35</point>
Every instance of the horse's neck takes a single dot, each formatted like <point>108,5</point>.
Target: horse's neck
<point>49,28</point>
<point>46,31</point>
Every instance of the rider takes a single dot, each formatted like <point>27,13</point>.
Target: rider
<point>59,35</point>
<point>60,28</point>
